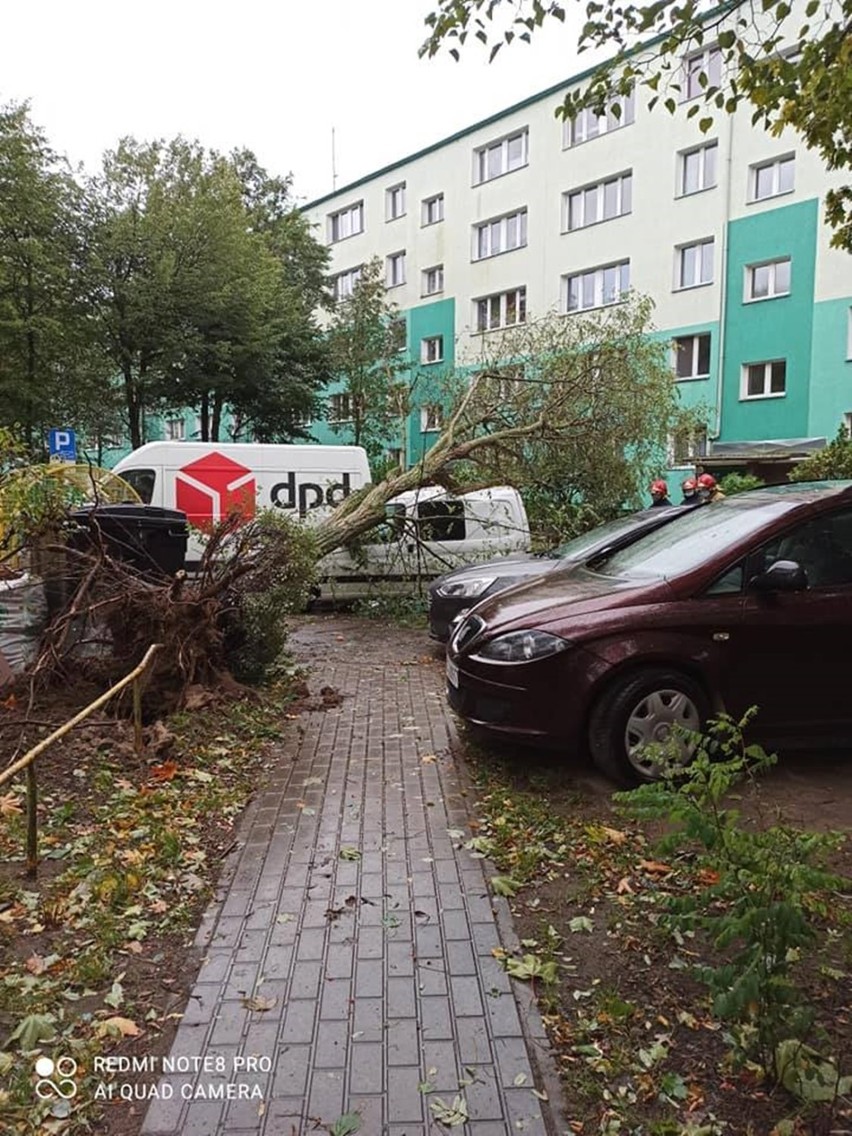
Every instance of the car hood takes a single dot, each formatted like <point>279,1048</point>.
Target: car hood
<point>525,564</point>
<point>564,595</point>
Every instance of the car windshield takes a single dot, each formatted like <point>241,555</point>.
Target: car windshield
<point>703,533</point>
<point>575,548</point>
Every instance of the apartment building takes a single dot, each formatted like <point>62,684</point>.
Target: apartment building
<point>522,214</point>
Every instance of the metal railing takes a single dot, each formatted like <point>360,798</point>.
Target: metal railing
<point>27,762</point>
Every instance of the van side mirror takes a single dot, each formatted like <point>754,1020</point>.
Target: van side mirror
<point>782,576</point>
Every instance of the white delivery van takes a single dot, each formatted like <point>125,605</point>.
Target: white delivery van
<point>209,480</point>
<point>426,533</point>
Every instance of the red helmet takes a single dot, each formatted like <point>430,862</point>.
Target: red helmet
<point>659,486</point>
<point>689,485</point>
<point>707,481</point>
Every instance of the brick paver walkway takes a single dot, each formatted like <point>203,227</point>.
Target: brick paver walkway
<point>353,913</point>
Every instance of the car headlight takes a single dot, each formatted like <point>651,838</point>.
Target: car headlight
<point>522,647</point>
<point>465,589</point>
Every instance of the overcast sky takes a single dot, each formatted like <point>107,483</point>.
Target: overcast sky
<point>273,76</point>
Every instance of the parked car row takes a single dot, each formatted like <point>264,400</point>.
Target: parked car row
<point>745,602</point>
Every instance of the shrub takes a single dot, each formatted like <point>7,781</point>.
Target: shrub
<point>733,483</point>
<point>834,461</point>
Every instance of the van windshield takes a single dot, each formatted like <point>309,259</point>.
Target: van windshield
<point>142,480</point>
<point>707,531</point>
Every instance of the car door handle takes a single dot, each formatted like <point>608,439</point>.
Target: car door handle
<point>721,636</point>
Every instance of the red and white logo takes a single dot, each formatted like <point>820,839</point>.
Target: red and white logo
<point>210,489</point>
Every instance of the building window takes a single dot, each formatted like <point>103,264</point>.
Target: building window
<point>764,380</point>
<point>505,309</point>
<point>344,283</point>
<point>692,356</point>
<point>687,446</point>
<point>395,202</point>
<point>340,408</point>
<point>596,287</point>
<point>697,169</point>
<point>432,349</point>
<point>771,179</point>
<point>694,265</point>
<point>433,209</point>
<point>588,125</point>
<point>701,71</point>
<point>395,269</point>
<point>431,416</point>
<point>765,281</point>
<point>500,235</point>
<point>398,334</point>
<point>600,202</point>
<point>346,222</point>
<point>501,157</point>
<point>174,429</point>
<point>433,280</point>
<point>849,334</point>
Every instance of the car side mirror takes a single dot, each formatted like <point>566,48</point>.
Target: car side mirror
<point>782,576</point>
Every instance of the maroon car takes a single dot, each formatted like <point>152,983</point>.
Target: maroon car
<point>746,602</point>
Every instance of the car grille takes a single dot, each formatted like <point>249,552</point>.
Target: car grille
<point>473,626</point>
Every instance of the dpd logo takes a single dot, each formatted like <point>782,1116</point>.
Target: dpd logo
<point>212,487</point>
<point>64,1068</point>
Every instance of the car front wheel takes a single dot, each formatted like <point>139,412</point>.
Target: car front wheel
<point>639,725</point>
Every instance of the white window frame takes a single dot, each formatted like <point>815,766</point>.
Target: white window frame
<point>705,256</point>
<point>588,125</point>
<point>343,283</point>
<point>700,153</point>
<point>775,166</point>
<point>766,392</point>
<point>432,209</point>
<point>695,351</point>
<point>395,201</point>
<point>395,269</point>
<point>773,290</point>
<point>340,407</point>
<point>849,334</point>
<point>707,61</point>
<point>431,417</point>
<point>593,198</point>
<point>499,235</point>
<point>350,219</point>
<point>502,148</point>
<point>435,275</point>
<point>591,285</point>
<point>174,429</point>
<point>432,349</point>
<point>514,300</point>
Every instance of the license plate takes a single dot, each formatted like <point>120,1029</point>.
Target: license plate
<point>452,673</point>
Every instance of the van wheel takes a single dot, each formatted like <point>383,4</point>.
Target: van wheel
<point>639,714</point>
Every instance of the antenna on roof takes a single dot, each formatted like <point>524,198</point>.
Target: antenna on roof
<point>333,163</point>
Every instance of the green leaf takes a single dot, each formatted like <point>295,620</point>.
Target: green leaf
<point>347,852</point>
<point>505,885</point>
<point>115,996</point>
<point>347,1124</point>
<point>31,1030</point>
<point>581,923</point>
<point>450,1115</point>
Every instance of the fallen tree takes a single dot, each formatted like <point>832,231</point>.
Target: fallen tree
<point>585,401</point>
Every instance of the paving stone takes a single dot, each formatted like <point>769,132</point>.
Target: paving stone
<point>402,980</point>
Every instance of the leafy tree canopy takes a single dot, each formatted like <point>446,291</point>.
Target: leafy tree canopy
<point>791,60</point>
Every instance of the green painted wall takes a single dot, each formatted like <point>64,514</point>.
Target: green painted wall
<point>779,328</point>
<point>831,367</point>
<point>424,322</point>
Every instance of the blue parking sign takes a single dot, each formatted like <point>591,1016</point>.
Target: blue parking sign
<point>62,445</point>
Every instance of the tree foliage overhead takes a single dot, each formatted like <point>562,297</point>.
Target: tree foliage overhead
<point>581,395</point>
<point>364,345</point>
<point>791,60</point>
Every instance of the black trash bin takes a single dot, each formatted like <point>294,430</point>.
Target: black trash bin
<point>150,539</point>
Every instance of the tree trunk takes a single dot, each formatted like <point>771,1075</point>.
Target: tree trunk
<point>216,420</point>
<point>204,417</point>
